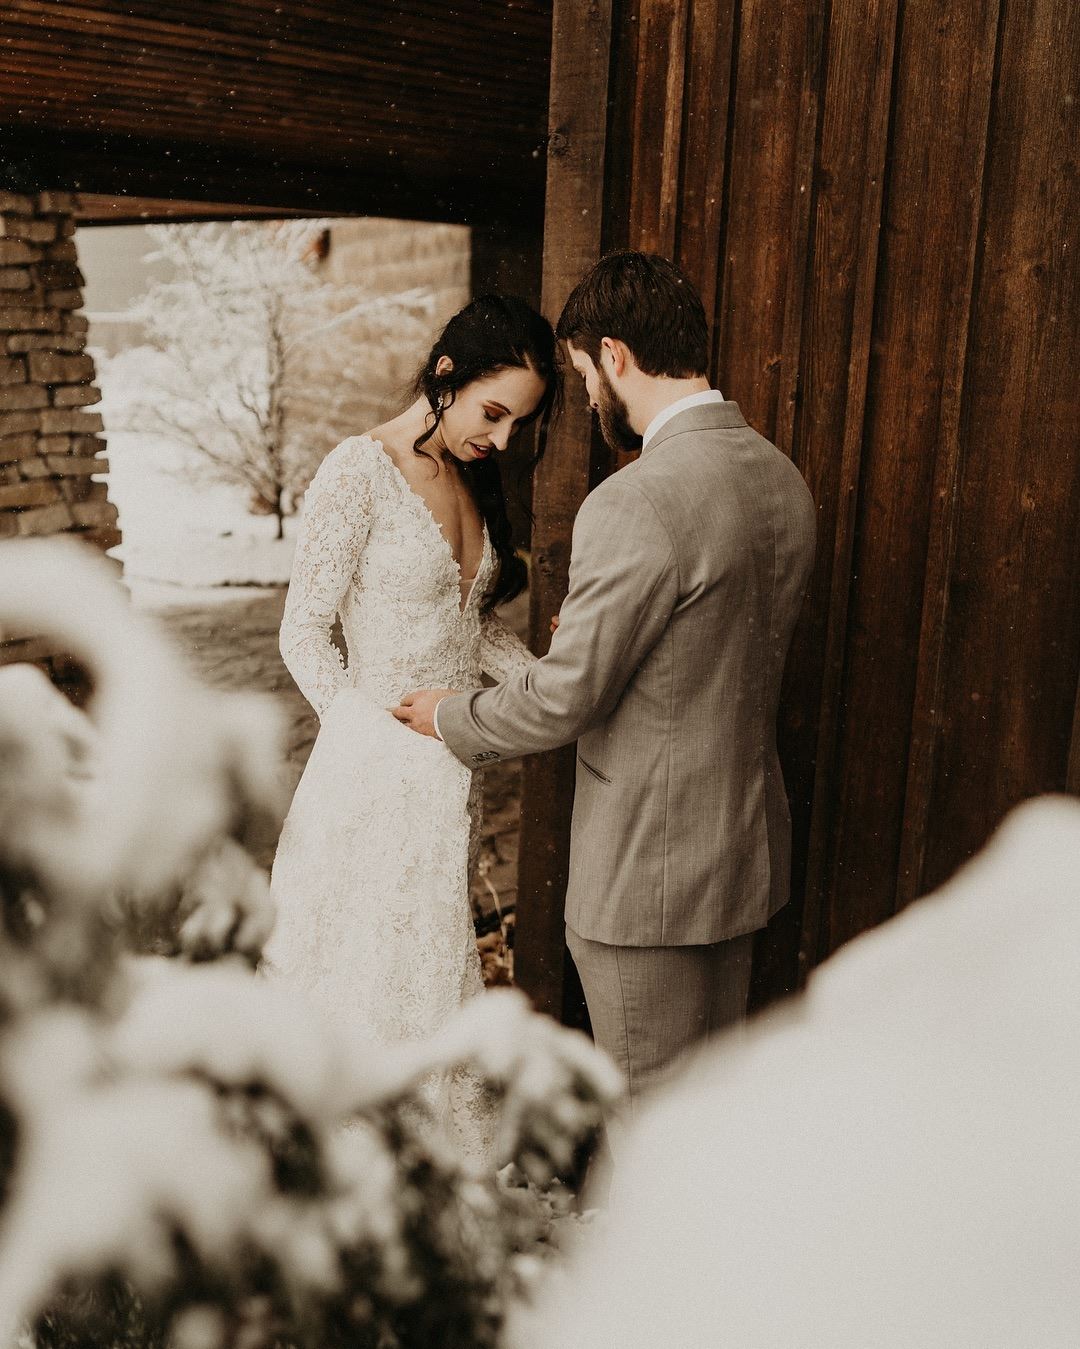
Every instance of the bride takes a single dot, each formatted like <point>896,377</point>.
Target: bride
<point>405,537</point>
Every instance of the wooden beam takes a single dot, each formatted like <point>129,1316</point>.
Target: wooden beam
<point>93,209</point>
<point>106,164</point>
<point>581,48</point>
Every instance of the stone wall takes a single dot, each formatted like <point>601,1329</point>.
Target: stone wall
<point>387,257</point>
<point>50,444</point>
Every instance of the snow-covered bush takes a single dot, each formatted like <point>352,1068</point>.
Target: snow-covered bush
<point>188,1155</point>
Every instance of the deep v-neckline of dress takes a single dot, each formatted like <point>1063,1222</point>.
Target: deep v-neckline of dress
<point>428,514</point>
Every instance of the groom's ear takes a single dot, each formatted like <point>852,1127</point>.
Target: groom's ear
<point>617,353</point>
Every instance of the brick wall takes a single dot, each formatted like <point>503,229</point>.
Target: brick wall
<point>50,444</point>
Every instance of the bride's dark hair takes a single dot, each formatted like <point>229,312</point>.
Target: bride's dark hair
<point>493,332</point>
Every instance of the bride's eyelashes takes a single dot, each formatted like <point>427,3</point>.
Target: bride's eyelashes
<point>519,422</point>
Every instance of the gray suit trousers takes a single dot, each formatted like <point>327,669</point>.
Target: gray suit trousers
<point>648,1004</point>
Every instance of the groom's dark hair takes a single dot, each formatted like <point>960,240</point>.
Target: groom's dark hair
<point>645,301</point>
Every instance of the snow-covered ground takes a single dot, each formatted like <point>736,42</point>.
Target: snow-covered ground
<point>180,530</point>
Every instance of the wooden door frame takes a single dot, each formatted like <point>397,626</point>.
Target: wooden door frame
<point>573,230</point>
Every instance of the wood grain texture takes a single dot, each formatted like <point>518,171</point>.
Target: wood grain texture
<point>873,197</point>
<point>924,263</point>
<point>92,209</point>
<point>771,58</point>
<point>658,125</point>
<point>854,149</point>
<point>802,196</point>
<point>777,947</point>
<point>619,149</point>
<point>454,95</point>
<point>948,468</point>
<point>710,45</point>
<point>1013,653</point>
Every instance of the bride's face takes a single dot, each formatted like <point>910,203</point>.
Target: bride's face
<point>485,414</point>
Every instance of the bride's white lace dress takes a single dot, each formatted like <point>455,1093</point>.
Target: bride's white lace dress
<point>372,871</point>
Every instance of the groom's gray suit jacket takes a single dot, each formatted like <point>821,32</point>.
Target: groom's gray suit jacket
<point>687,572</point>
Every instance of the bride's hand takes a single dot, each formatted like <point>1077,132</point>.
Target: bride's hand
<point>554,622</point>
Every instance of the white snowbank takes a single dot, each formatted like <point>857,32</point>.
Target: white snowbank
<point>892,1161</point>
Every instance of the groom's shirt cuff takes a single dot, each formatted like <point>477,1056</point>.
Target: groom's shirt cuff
<point>435,719</point>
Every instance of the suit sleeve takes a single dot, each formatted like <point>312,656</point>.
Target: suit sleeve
<point>623,589</point>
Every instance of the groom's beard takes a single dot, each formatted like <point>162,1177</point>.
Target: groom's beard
<point>615,418</point>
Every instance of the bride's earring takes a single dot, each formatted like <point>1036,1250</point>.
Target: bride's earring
<point>439,406</point>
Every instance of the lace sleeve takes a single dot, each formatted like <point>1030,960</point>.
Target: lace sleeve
<point>337,514</point>
<point>502,653</point>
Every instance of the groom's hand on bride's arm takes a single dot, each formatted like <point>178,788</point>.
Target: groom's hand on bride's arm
<point>417,709</point>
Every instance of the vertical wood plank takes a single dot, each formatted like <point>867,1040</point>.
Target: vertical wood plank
<point>1013,656</point>
<point>619,167</point>
<point>771,56</point>
<point>581,47</point>
<point>709,39</point>
<point>776,965</point>
<point>657,127</point>
<point>855,136</point>
<point>924,262</point>
<point>927,713</point>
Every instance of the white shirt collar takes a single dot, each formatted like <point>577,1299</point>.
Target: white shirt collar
<point>665,415</point>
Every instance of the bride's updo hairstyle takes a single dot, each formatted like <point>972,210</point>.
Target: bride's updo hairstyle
<point>492,333</point>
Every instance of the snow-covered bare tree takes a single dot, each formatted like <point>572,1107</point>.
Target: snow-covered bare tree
<point>250,356</point>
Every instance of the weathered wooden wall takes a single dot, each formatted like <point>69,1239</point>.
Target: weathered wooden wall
<point>878,201</point>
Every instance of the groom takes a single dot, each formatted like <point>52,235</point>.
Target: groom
<point>687,572</point>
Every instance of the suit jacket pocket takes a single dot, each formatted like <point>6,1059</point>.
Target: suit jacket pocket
<point>600,777</point>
